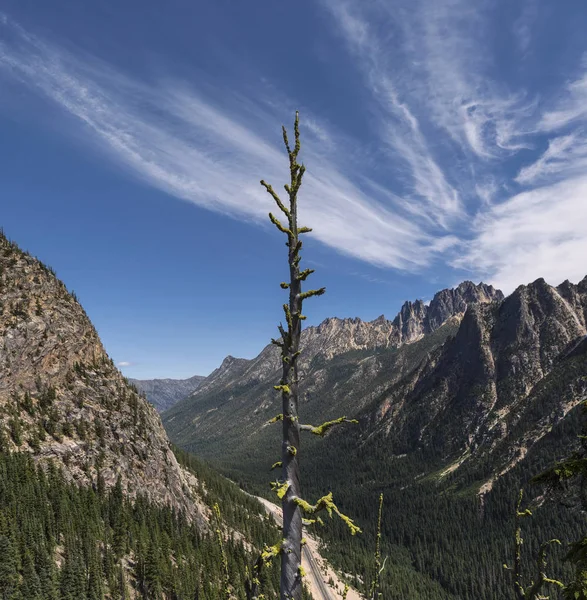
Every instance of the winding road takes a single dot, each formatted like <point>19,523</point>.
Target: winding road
<point>311,560</point>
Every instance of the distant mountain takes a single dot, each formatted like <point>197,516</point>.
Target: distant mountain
<point>238,397</point>
<point>512,371</point>
<point>459,404</point>
<point>164,393</point>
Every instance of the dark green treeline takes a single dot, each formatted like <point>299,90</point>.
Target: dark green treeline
<point>59,541</point>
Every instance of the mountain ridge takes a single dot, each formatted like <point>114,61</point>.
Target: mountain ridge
<point>164,393</point>
<point>414,320</point>
<point>450,426</point>
<point>63,400</point>
<point>458,368</point>
<point>217,396</point>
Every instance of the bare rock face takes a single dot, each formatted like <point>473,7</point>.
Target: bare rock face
<point>164,393</point>
<point>62,399</point>
<point>513,370</point>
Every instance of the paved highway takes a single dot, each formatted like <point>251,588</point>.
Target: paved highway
<point>321,587</point>
<point>314,577</point>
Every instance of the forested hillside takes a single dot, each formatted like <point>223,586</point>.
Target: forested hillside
<point>94,503</point>
<point>60,541</point>
<point>451,425</point>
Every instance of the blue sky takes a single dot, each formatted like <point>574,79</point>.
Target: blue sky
<point>444,140</point>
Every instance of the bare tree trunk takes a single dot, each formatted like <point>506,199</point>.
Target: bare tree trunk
<point>291,555</point>
<point>288,487</point>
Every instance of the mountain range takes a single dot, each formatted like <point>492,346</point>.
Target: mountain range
<point>164,393</point>
<point>238,397</point>
<point>465,398</point>
<point>458,403</point>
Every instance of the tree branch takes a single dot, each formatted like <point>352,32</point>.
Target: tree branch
<point>322,430</point>
<point>278,201</point>
<point>326,503</point>
<point>310,293</point>
<point>279,226</point>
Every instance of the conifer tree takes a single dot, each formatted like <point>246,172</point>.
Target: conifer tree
<point>153,589</point>
<point>95,578</point>
<point>374,592</point>
<point>8,569</point>
<point>31,584</point>
<point>288,486</point>
<point>47,575</point>
<point>532,591</point>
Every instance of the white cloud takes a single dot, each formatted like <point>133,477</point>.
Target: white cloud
<point>436,60</point>
<point>398,127</point>
<point>441,126</point>
<point>570,107</point>
<point>538,233</point>
<point>565,156</point>
<point>178,141</point>
<point>522,27</point>
<point>124,363</point>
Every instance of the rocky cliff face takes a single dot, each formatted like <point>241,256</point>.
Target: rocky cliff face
<point>511,373</point>
<point>62,399</point>
<point>164,393</point>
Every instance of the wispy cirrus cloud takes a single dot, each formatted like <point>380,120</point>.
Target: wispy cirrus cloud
<point>525,221</point>
<point>398,128</point>
<point>173,138</point>
<point>571,106</point>
<point>539,233</point>
<point>482,173</point>
<point>566,156</point>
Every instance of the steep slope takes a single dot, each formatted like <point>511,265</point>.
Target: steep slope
<point>451,424</point>
<point>480,394</point>
<point>452,441</point>
<point>62,399</point>
<point>164,393</point>
<point>344,363</point>
<point>94,503</point>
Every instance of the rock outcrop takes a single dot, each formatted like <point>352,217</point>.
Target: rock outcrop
<point>62,399</point>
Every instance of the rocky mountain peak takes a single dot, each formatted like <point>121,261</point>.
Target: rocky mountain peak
<point>453,301</point>
<point>61,397</point>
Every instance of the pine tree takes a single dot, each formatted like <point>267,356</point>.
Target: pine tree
<point>95,578</point>
<point>47,575</point>
<point>8,569</point>
<point>72,582</point>
<point>532,591</point>
<point>153,588</point>
<point>559,478</point>
<point>31,584</point>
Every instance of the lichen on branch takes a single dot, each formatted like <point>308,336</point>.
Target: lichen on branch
<point>326,503</point>
<point>322,430</point>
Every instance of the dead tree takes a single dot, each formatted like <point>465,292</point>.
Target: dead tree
<point>288,487</point>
